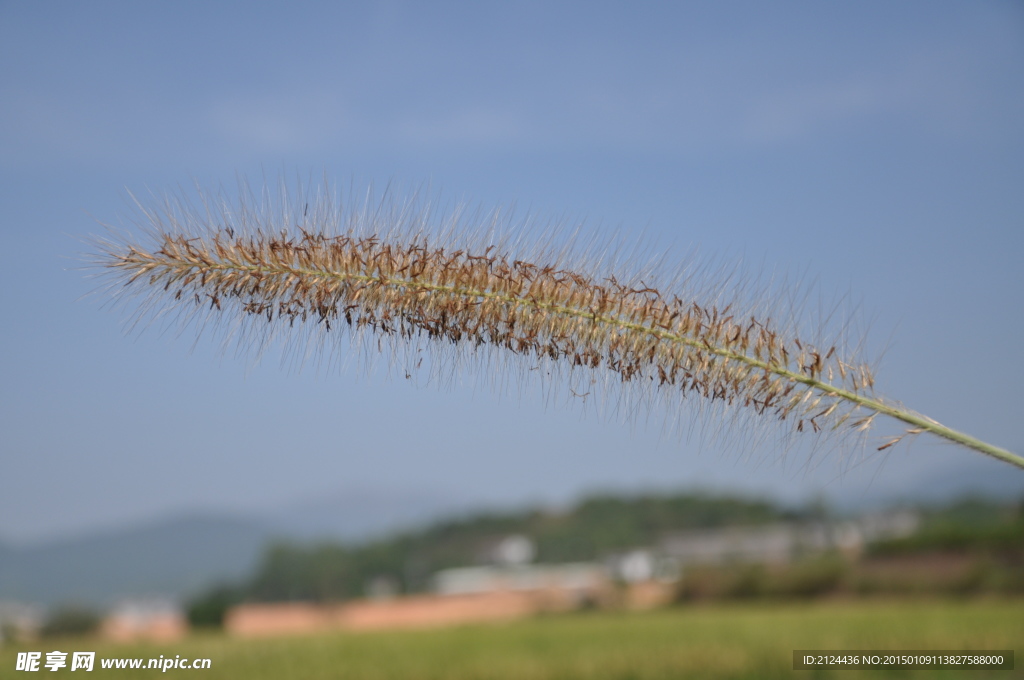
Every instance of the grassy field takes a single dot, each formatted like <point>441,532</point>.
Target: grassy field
<point>752,641</point>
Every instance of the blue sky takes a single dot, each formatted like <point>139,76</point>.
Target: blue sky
<point>875,149</point>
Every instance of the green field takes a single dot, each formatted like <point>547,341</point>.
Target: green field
<point>743,641</point>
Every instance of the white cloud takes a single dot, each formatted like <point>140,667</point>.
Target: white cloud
<point>785,115</point>
<point>284,122</point>
<point>473,125</point>
<point>937,92</point>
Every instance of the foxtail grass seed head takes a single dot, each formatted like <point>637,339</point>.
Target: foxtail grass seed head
<point>298,267</point>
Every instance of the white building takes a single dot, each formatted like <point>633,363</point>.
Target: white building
<point>783,542</point>
<point>582,578</point>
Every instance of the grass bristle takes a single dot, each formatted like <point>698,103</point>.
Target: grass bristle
<point>261,268</point>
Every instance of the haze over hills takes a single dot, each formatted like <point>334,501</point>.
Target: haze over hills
<point>357,514</point>
<point>166,558</point>
<point>179,555</point>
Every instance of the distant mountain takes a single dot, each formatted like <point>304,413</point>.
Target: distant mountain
<point>180,556</point>
<point>166,558</point>
<point>356,515</point>
<point>989,479</point>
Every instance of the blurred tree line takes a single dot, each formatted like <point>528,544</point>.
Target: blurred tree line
<point>969,547</point>
<point>590,530</point>
<point>984,538</point>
